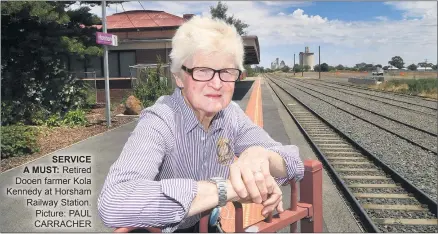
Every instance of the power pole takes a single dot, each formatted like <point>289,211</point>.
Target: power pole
<point>105,68</point>
<point>294,65</point>
<point>319,55</point>
<point>302,68</point>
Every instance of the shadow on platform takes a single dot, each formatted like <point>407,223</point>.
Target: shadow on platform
<point>241,89</point>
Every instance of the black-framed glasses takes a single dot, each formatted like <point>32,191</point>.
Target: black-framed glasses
<point>204,74</point>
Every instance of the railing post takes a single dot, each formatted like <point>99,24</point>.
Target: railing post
<point>203,223</point>
<point>293,203</point>
<point>311,193</point>
<point>238,217</point>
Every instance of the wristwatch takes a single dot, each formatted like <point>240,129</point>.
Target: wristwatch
<point>221,189</point>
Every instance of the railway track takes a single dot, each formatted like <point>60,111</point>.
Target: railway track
<point>296,83</point>
<point>368,96</point>
<point>427,102</point>
<point>420,138</point>
<point>382,199</point>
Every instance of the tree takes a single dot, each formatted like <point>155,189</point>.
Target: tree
<point>324,67</point>
<point>220,12</point>
<point>316,68</point>
<point>298,68</point>
<point>412,67</point>
<point>397,62</point>
<point>306,68</point>
<point>434,67</point>
<point>40,37</point>
<point>340,67</point>
<point>285,69</point>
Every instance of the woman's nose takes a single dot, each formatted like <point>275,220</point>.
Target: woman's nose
<point>216,81</point>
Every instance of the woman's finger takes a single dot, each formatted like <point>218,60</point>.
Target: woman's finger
<point>272,199</point>
<point>280,207</point>
<point>261,184</point>
<point>269,180</point>
<point>271,208</point>
<point>236,181</point>
<point>250,185</point>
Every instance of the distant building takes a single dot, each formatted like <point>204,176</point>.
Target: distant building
<point>307,58</point>
<point>277,65</point>
<point>282,64</point>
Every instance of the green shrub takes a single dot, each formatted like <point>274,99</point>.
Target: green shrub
<point>54,121</point>
<point>18,140</point>
<point>416,86</point>
<point>151,85</point>
<point>75,118</point>
<point>30,97</point>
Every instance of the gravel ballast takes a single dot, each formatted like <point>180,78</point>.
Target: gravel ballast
<point>418,105</point>
<point>389,96</point>
<point>421,121</point>
<point>412,162</point>
<point>421,138</point>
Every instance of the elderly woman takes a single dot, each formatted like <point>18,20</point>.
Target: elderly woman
<point>180,159</point>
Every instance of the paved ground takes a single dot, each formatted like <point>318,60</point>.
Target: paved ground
<point>19,216</point>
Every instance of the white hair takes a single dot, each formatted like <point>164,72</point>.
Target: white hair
<point>205,35</point>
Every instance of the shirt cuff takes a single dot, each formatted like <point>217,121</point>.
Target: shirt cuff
<point>294,164</point>
<point>181,190</point>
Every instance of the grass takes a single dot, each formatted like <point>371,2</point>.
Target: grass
<point>420,87</point>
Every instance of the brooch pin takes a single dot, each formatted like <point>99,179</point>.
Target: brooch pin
<point>224,151</point>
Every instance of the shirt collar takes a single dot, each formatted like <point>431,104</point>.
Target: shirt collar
<point>189,118</point>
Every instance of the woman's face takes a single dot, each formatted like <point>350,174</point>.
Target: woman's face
<point>208,97</point>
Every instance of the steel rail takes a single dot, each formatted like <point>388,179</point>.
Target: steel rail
<point>404,183</point>
<point>381,115</point>
<point>370,122</point>
<point>343,90</point>
<point>407,96</point>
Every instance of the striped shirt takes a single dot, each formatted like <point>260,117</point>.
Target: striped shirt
<point>153,182</point>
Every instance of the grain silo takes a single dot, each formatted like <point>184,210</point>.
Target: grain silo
<point>307,58</point>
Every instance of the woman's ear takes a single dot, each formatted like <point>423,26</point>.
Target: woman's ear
<point>178,79</point>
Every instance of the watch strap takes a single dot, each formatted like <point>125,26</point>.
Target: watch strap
<point>221,189</point>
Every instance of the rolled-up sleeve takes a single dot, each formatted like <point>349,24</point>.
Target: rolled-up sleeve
<point>131,197</point>
<point>249,134</point>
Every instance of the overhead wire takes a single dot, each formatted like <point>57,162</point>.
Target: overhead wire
<point>148,15</point>
<point>128,16</point>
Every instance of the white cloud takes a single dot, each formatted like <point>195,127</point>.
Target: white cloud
<point>418,9</point>
<point>347,42</point>
<point>382,18</point>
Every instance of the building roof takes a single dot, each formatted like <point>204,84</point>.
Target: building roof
<point>149,19</point>
<point>142,19</point>
<point>252,49</point>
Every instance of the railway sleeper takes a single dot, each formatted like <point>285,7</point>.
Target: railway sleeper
<point>345,149</point>
<point>396,189</point>
<point>361,173</point>
<point>384,195</point>
<point>407,221</point>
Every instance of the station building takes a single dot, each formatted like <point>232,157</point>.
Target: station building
<point>143,35</point>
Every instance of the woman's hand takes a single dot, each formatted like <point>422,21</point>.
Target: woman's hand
<point>252,181</point>
<point>250,175</point>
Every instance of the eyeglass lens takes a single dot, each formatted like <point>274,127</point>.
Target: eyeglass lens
<point>208,73</point>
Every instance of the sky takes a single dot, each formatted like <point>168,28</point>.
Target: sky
<point>347,32</point>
